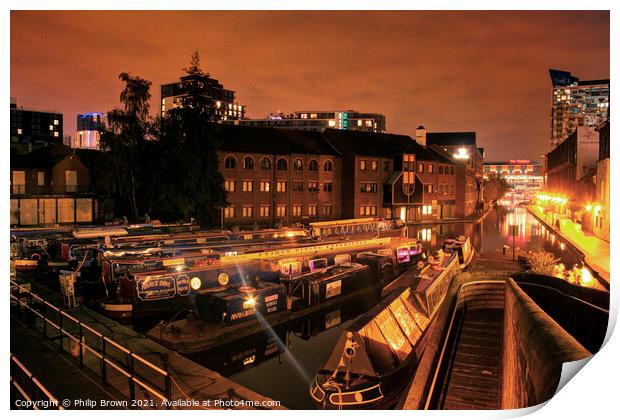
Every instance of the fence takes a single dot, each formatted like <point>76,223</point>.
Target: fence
<point>29,390</point>
<point>113,363</point>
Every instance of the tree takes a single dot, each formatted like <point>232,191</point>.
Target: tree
<point>124,142</point>
<point>187,151</point>
<point>495,186</point>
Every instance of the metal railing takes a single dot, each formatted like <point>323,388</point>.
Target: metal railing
<point>31,391</point>
<point>94,349</point>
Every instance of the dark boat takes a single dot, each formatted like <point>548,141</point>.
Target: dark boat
<point>376,355</point>
<point>462,246</point>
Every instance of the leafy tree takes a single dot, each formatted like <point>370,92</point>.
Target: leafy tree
<point>124,142</point>
<point>186,181</point>
<point>495,187</point>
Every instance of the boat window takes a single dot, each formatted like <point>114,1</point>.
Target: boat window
<point>385,252</point>
<point>290,269</point>
<point>377,348</point>
<point>318,264</point>
<point>342,259</point>
<point>402,255</point>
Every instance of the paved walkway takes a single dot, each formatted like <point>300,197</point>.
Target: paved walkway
<point>596,250</point>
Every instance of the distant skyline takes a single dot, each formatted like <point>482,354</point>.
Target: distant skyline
<point>448,71</point>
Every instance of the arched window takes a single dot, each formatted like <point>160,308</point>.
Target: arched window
<point>281,165</point>
<point>313,165</point>
<point>265,163</point>
<point>298,165</point>
<point>328,166</point>
<point>230,162</point>
<point>248,163</point>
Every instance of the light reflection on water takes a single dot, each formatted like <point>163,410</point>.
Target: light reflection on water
<point>261,364</point>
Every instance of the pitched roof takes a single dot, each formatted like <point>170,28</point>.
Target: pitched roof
<point>43,158</point>
<point>452,139</point>
<point>268,140</point>
<point>368,144</point>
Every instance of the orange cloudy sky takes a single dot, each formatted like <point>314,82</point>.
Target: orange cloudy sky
<point>449,71</point>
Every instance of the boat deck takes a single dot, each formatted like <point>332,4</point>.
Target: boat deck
<point>473,380</point>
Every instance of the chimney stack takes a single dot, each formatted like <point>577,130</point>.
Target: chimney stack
<point>420,136</point>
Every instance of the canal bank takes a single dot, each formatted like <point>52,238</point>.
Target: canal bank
<point>596,251</point>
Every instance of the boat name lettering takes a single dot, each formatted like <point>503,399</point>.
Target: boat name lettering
<point>243,314</point>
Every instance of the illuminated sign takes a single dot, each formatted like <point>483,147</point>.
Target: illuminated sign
<point>519,162</point>
<point>183,285</point>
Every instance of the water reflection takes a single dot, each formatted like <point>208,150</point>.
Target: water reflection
<point>261,362</point>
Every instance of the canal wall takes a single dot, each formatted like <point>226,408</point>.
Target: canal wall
<point>535,347</point>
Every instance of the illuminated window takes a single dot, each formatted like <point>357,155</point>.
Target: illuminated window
<point>247,211</point>
<point>19,182</point>
<point>430,168</point>
<point>55,122</point>
<point>281,186</point>
<point>19,131</point>
<point>264,186</point>
<point>429,188</point>
<point>229,186</point>
<point>327,209</point>
<point>359,123</point>
<point>332,123</point>
<point>229,212</point>
<point>298,165</point>
<point>230,162</point>
<point>368,210</point>
<point>248,186</point>
<point>426,210</point>
<point>313,186</point>
<point>368,123</point>
<point>281,211</point>
<point>362,165</point>
<point>421,168</point>
<point>374,165</point>
<point>264,211</point>
<point>312,210</point>
<point>51,127</point>
<point>304,116</point>
<point>40,178</point>
<point>55,133</point>
<point>71,181</point>
<point>328,166</point>
<point>297,211</point>
<point>313,116</point>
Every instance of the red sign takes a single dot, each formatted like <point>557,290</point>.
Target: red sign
<point>519,162</point>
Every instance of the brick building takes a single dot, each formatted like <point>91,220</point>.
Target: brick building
<point>461,148</point>
<point>278,176</point>
<point>51,186</point>
<point>392,175</point>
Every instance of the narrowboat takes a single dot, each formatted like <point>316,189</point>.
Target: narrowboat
<point>463,247</point>
<point>370,227</point>
<point>375,356</point>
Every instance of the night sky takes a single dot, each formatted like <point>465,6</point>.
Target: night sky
<point>449,71</point>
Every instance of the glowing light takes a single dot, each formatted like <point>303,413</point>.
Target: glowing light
<point>586,277</point>
<point>249,303</point>
<point>597,209</point>
<point>195,283</point>
<point>462,154</point>
<point>562,246</point>
<point>222,279</point>
<point>589,207</point>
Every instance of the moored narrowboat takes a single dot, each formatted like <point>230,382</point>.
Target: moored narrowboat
<point>375,356</point>
<point>463,247</point>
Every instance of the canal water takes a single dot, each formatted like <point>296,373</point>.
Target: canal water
<point>280,363</point>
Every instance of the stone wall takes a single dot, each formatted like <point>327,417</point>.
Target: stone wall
<point>535,347</point>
